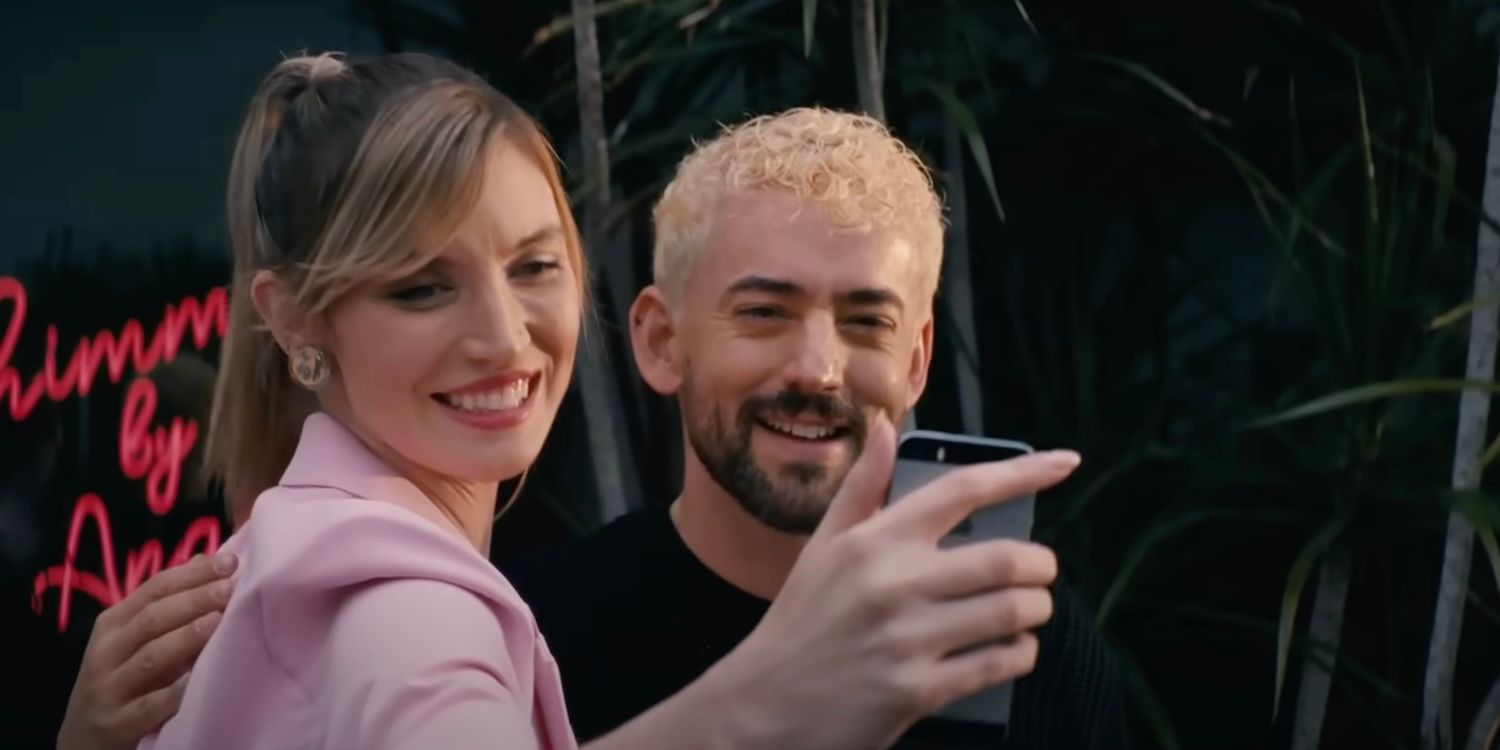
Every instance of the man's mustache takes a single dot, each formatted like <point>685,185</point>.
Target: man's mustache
<point>839,410</point>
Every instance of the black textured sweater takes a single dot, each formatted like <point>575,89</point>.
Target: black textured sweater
<point>632,617</point>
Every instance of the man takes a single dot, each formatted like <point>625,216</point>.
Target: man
<point>796,262</point>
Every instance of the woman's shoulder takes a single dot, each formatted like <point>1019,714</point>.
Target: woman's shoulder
<point>329,535</point>
<point>311,554</point>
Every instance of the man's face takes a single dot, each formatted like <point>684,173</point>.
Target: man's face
<point>791,335</point>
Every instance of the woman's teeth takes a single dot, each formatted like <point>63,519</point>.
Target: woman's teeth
<point>509,397</point>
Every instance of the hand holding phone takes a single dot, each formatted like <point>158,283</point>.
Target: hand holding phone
<point>877,621</point>
<point>921,457</point>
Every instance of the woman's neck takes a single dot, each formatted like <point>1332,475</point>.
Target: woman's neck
<point>469,506</point>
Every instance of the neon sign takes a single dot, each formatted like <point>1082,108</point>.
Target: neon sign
<point>150,453</point>
<point>208,317</point>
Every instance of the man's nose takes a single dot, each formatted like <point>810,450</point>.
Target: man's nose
<point>817,362</point>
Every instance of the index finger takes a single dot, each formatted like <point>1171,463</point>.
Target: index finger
<point>189,575</point>
<point>935,508</point>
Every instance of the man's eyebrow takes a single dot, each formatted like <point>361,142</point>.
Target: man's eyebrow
<point>874,297</point>
<point>765,284</point>
<point>864,297</point>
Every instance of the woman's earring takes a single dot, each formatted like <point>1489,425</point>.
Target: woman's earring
<point>309,366</point>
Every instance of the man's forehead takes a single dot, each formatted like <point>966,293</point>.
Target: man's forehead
<point>776,236</point>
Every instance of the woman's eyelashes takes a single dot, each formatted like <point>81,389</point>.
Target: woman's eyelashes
<point>427,292</point>
<point>535,267</point>
<point>419,293</point>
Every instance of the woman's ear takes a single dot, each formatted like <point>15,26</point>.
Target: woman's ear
<point>653,336</point>
<point>278,308</point>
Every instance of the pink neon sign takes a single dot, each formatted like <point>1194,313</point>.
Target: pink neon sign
<point>150,453</point>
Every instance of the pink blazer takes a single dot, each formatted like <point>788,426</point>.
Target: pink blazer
<point>362,619</point>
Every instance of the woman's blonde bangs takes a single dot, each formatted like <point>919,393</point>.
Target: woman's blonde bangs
<point>416,175</point>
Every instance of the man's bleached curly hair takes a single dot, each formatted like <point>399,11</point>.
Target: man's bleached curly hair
<point>848,163</point>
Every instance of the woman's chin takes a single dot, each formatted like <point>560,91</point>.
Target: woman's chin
<point>485,469</point>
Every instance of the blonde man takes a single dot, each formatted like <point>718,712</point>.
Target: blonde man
<point>796,261</point>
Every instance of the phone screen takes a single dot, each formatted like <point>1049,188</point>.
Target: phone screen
<point>923,456</point>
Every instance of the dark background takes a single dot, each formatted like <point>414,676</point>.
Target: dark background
<point>1187,246</point>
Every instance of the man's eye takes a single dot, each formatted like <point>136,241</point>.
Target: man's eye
<point>872,321</point>
<point>761,312</point>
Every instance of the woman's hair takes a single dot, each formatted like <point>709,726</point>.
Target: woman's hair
<point>346,172</point>
<point>849,163</point>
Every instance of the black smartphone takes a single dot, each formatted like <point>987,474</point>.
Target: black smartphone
<point>921,457</point>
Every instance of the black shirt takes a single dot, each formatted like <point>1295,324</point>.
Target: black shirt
<point>632,616</point>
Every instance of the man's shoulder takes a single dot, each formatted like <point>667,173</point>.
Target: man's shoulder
<point>616,557</point>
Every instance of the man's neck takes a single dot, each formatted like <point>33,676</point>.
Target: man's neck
<point>735,545</point>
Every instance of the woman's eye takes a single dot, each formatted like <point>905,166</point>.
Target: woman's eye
<point>418,292</point>
<point>537,267</point>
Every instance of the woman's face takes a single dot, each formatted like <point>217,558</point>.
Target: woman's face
<point>459,368</point>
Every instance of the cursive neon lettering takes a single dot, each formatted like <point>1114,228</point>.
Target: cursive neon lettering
<point>202,535</point>
<point>153,453</point>
<point>206,319</point>
<point>156,454</point>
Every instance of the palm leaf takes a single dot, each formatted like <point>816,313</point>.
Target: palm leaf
<point>1480,511</point>
<point>1462,311</point>
<point>1158,533</point>
<point>1160,84</point>
<point>1150,705</point>
<point>1021,8</point>
<point>1373,392</point>
<point>1296,580</point>
<point>964,118</point>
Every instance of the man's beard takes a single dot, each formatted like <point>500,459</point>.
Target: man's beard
<point>796,497</point>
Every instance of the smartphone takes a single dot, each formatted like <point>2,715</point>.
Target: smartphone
<point>921,457</point>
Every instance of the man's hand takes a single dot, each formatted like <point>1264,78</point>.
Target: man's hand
<point>135,666</point>
<point>878,625</point>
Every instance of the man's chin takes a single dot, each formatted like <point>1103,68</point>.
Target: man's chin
<point>797,508</point>
<point>798,522</point>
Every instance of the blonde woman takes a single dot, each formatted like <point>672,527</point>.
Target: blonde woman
<point>408,290</point>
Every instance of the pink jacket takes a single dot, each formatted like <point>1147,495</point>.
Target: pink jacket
<point>362,619</point>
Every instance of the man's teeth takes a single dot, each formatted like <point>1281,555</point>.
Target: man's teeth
<point>804,431</point>
<point>508,397</point>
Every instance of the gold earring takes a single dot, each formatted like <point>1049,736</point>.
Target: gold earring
<point>309,366</point>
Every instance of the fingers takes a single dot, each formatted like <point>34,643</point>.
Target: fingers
<point>982,566</point>
<point>191,574</point>
<point>147,713</point>
<point>168,658</point>
<point>192,595</point>
<point>987,619</point>
<point>864,488</point>
<point>969,672</point>
<point>935,508</point>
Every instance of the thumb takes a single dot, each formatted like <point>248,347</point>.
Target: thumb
<point>864,488</point>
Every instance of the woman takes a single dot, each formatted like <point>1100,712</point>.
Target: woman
<point>408,291</point>
<point>407,299</point>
